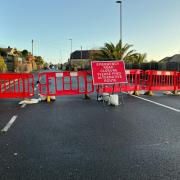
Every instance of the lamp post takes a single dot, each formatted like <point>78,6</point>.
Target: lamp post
<point>120,24</point>
<point>71,48</point>
<point>32,45</point>
<point>70,55</point>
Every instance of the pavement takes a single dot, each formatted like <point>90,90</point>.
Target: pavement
<point>72,138</point>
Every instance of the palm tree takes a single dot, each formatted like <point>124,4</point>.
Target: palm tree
<point>116,52</point>
<point>136,58</point>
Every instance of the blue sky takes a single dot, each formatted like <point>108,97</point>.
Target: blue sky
<point>151,26</point>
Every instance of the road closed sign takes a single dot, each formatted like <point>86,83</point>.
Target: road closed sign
<point>108,72</point>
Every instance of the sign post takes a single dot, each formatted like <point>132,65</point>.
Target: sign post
<point>108,73</point>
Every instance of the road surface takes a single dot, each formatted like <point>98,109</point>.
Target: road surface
<point>73,138</point>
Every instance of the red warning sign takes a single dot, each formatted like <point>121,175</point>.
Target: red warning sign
<point>108,72</point>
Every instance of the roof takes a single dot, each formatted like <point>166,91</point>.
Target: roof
<point>175,58</point>
<point>85,54</point>
<point>6,50</point>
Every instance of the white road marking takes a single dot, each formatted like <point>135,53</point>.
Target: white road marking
<point>35,89</point>
<point>9,124</point>
<point>23,105</point>
<point>162,105</point>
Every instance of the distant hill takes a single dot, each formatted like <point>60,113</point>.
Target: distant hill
<point>175,58</point>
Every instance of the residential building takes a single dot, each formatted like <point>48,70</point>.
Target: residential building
<point>10,55</point>
<point>16,62</point>
<point>81,59</point>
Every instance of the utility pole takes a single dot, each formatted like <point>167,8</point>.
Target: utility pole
<point>32,45</point>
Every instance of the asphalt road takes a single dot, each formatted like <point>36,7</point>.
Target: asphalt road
<point>73,138</point>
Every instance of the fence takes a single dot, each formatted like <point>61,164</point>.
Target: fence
<point>76,83</point>
<point>16,85</point>
<point>149,81</point>
<point>168,66</point>
<point>134,83</point>
<point>65,83</point>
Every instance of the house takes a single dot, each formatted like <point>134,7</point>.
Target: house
<point>81,58</point>
<point>10,55</point>
<point>173,59</point>
<point>16,62</point>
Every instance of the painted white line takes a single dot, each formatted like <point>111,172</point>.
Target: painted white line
<point>23,105</point>
<point>162,105</point>
<point>9,124</point>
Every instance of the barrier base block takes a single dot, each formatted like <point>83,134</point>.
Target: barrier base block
<point>86,97</point>
<point>149,93</point>
<point>136,93</point>
<point>175,92</point>
<point>48,99</point>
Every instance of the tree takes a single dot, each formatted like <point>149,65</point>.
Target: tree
<point>118,52</point>
<point>25,53</point>
<point>3,67</point>
<point>39,60</point>
<point>46,65</point>
<point>137,58</point>
<point>2,53</point>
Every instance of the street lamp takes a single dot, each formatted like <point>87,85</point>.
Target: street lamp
<point>70,55</point>
<point>71,48</point>
<point>32,45</point>
<point>120,29</point>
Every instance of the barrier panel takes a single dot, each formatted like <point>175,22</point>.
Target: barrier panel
<point>135,82</point>
<point>16,85</point>
<point>65,83</point>
<point>74,83</point>
<point>160,80</point>
<point>178,81</point>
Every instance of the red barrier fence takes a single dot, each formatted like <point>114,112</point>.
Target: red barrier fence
<point>135,82</point>
<point>74,83</point>
<point>65,83</point>
<point>178,81</point>
<point>148,81</point>
<point>16,85</point>
<point>160,80</point>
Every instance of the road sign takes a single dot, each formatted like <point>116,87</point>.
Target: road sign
<point>108,72</point>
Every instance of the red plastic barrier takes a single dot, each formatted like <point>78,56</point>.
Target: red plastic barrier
<point>178,81</point>
<point>135,83</point>
<point>160,80</point>
<point>65,83</point>
<point>16,85</point>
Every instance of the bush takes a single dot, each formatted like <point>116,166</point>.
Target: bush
<point>3,67</point>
